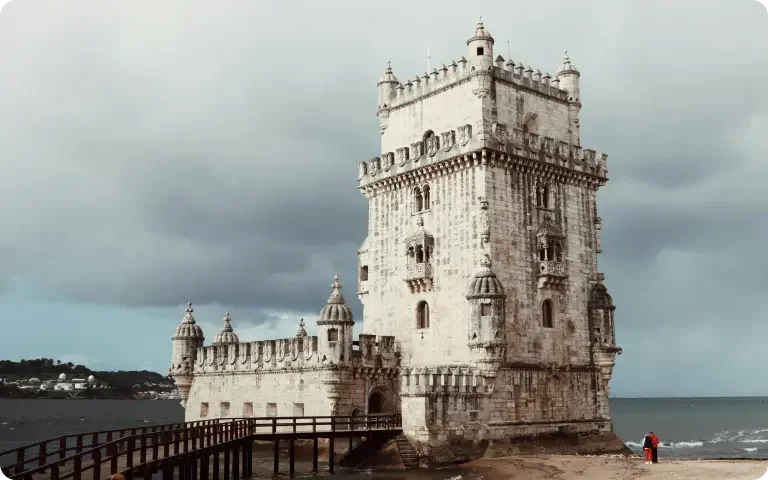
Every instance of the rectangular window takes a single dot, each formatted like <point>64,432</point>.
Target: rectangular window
<point>247,409</point>
<point>333,335</point>
<point>203,409</point>
<point>271,409</point>
<point>480,51</point>
<point>224,409</point>
<point>485,310</point>
<point>364,273</point>
<point>298,409</point>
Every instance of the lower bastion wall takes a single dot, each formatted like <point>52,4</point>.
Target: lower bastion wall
<point>452,405</point>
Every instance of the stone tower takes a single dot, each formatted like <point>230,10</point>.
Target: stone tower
<point>481,254</point>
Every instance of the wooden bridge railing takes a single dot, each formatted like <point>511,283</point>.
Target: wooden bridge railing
<point>170,449</point>
<point>58,448</point>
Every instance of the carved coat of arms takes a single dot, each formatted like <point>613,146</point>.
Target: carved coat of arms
<point>417,150</point>
<point>402,156</point>
<point>602,165</point>
<point>449,139</point>
<point>577,155</point>
<point>361,168</point>
<point>387,160</point>
<point>433,145</point>
<point>563,151</point>
<point>549,146</point>
<point>518,139</point>
<point>533,142</point>
<point>589,157</point>
<point>499,132</point>
<point>374,166</point>
<point>465,134</point>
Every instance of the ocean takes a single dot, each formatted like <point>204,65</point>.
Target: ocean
<point>687,427</point>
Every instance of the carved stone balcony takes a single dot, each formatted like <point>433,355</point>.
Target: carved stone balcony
<point>418,277</point>
<point>552,273</point>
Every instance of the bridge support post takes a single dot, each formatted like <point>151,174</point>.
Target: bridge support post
<point>236,461</point>
<point>331,444</point>
<point>215,463</point>
<point>204,465</point>
<point>226,464</point>
<point>314,454</point>
<point>291,457</point>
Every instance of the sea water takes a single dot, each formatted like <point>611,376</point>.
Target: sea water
<point>687,427</point>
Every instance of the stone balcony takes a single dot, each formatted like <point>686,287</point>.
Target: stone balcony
<point>418,277</point>
<point>552,273</point>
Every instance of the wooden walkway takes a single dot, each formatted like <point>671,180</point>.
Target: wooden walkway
<point>212,450</point>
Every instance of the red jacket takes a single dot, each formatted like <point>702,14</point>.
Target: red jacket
<point>655,441</point>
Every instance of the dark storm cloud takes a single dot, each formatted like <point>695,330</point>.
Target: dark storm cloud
<point>159,152</point>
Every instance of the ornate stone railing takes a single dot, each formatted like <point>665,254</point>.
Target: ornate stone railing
<point>418,277</point>
<point>552,268</point>
<point>552,273</point>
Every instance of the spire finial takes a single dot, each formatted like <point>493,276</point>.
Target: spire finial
<point>189,308</point>
<point>485,261</point>
<point>389,65</point>
<point>336,286</point>
<point>301,332</point>
<point>228,317</point>
<point>336,296</point>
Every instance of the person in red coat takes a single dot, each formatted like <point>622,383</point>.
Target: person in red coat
<point>655,448</point>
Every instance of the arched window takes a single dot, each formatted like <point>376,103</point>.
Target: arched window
<point>485,310</point>
<point>422,315</point>
<point>546,314</point>
<point>419,254</point>
<point>418,201</point>
<point>542,253</point>
<point>551,253</point>
<point>543,196</point>
<point>558,253</point>
<point>425,196</point>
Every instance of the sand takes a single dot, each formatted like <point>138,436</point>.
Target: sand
<point>566,467</point>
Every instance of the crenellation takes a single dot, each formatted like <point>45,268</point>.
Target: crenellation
<point>485,315</point>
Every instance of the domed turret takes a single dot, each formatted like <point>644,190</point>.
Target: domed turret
<point>487,340</point>
<point>187,338</point>
<point>568,77</point>
<point>334,327</point>
<point>189,329</point>
<point>481,48</point>
<point>227,334</point>
<point>301,332</point>
<point>485,284</point>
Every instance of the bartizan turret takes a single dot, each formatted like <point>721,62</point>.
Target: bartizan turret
<point>186,340</point>
<point>387,90</point>
<point>480,55</point>
<point>334,328</point>
<point>486,296</point>
<point>568,76</point>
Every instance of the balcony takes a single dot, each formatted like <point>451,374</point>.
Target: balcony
<point>418,277</point>
<point>552,273</point>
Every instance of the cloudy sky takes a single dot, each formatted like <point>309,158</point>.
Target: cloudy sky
<point>154,153</point>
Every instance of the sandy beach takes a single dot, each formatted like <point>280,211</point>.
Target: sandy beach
<point>566,467</point>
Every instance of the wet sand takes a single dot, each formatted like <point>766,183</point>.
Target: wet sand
<point>566,467</point>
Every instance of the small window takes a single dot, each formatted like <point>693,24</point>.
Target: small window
<point>480,51</point>
<point>546,314</point>
<point>543,197</point>
<point>364,273</point>
<point>485,310</point>
<point>271,409</point>
<point>425,196</point>
<point>333,335</point>
<point>298,409</point>
<point>203,409</point>
<point>418,200</point>
<point>224,409</point>
<point>422,315</point>
<point>247,409</point>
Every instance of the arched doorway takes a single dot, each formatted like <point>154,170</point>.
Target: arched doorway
<point>375,403</point>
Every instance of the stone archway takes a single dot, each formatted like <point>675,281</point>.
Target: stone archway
<point>376,403</point>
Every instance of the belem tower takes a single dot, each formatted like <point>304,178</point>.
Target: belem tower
<point>484,314</point>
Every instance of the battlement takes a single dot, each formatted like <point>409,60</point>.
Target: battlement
<point>459,380</point>
<point>289,354</point>
<point>458,72</point>
<point>463,146</point>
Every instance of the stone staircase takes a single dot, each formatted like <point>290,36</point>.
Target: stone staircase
<point>408,454</point>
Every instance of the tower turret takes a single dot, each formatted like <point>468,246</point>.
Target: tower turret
<point>480,48</point>
<point>387,90</point>
<point>227,334</point>
<point>187,338</point>
<point>334,327</point>
<point>568,77</point>
<point>486,332</point>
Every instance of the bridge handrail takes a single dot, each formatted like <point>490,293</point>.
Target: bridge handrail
<point>42,456</point>
<point>129,441</point>
<point>221,430</point>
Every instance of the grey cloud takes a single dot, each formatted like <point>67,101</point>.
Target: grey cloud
<point>159,153</point>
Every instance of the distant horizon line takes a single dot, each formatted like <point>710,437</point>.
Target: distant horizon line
<point>686,397</point>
